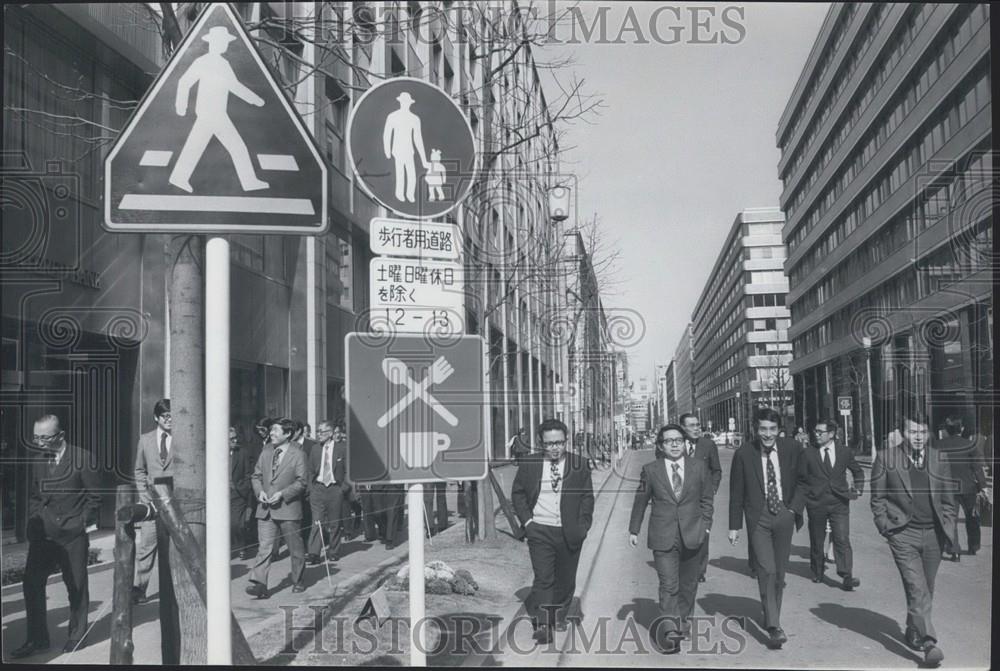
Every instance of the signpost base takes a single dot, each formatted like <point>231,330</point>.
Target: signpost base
<point>415,522</point>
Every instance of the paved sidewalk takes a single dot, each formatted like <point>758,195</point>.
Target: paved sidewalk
<point>361,565</point>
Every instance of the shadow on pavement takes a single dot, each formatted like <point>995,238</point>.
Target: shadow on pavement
<point>464,634</point>
<point>643,611</point>
<point>879,628</point>
<point>801,551</point>
<point>744,609</point>
<point>730,563</point>
<point>237,571</point>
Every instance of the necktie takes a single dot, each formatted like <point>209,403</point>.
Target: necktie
<point>163,448</point>
<point>826,459</point>
<point>327,466</point>
<point>554,475</point>
<point>918,459</point>
<point>676,479</point>
<point>274,460</point>
<point>690,449</point>
<point>773,501</point>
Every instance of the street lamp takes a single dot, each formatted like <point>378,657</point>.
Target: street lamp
<point>867,343</point>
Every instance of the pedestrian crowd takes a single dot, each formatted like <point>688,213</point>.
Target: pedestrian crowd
<point>294,489</point>
<point>916,486</point>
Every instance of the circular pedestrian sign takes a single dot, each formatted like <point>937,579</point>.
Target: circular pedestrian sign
<point>412,148</point>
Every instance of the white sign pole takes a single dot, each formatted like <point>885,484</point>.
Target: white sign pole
<point>217,447</point>
<point>415,527</point>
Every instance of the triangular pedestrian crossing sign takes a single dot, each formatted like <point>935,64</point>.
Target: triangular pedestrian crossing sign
<point>215,145</point>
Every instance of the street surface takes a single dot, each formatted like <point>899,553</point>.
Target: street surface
<point>826,627</point>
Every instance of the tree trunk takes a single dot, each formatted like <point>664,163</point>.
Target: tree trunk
<point>187,405</point>
<point>121,609</point>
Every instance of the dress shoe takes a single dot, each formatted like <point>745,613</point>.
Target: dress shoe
<point>850,582</point>
<point>332,556</point>
<point>298,588</point>
<point>778,637</point>
<point>72,645</point>
<point>972,552</point>
<point>953,556</point>
<point>389,545</point>
<point>370,539</point>
<point>818,578</point>
<point>670,645</point>
<point>932,655</point>
<point>256,589</point>
<point>542,635</point>
<point>312,559</point>
<point>913,639</point>
<point>28,649</point>
<point>137,596</point>
<point>246,554</point>
<point>701,578</point>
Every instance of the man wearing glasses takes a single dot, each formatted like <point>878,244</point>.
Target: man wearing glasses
<point>553,496</point>
<point>328,490</point>
<point>63,506</point>
<point>681,490</point>
<point>703,448</point>
<point>823,479</point>
<point>154,459</point>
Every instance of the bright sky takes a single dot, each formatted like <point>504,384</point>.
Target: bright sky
<point>686,140</point>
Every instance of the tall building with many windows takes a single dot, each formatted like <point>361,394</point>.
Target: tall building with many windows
<point>740,326</point>
<point>683,373</point>
<point>888,194</point>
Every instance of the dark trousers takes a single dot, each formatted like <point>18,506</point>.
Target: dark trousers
<point>554,565</point>
<point>327,505</point>
<point>703,558</point>
<point>838,514</point>
<point>972,525</point>
<point>436,491</point>
<point>383,508</point>
<point>270,532</point>
<point>43,557</point>
<point>237,526</point>
<point>368,500</point>
<point>678,570</point>
<point>771,539</point>
<point>917,553</point>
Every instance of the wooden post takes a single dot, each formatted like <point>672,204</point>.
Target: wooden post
<point>121,605</point>
<point>170,627</point>
<point>185,544</point>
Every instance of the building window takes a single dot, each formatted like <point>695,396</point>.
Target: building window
<point>338,272</point>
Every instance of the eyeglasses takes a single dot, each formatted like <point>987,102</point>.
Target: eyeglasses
<point>46,439</point>
<point>165,417</point>
<point>557,443</point>
<point>672,441</point>
<point>822,431</point>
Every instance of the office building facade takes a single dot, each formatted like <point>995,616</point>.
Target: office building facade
<point>740,345</point>
<point>887,190</point>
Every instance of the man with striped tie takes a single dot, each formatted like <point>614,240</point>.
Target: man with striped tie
<point>553,496</point>
<point>154,459</point>
<point>763,488</point>
<point>328,490</point>
<point>279,482</point>
<point>681,489</point>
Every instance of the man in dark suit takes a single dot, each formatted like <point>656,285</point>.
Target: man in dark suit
<point>969,466</point>
<point>553,496</point>
<point>698,446</point>
<point>681,491</point>
<point>241,465</point>
<point>63,506</point>
<point>823,480</point>
<point>763,489</point>
<point>913,504</point>
<point>279,481</point>
<point>154,459</point>
<point>328,490</point>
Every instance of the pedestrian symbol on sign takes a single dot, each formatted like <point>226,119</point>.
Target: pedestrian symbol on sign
<point>216,80</point>
<point>215,145</point>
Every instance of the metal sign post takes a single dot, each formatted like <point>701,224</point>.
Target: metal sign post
<point>415,527</point>
<point>217,549</point>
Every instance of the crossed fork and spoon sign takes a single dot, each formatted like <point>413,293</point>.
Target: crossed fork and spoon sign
<point>398,372</point>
